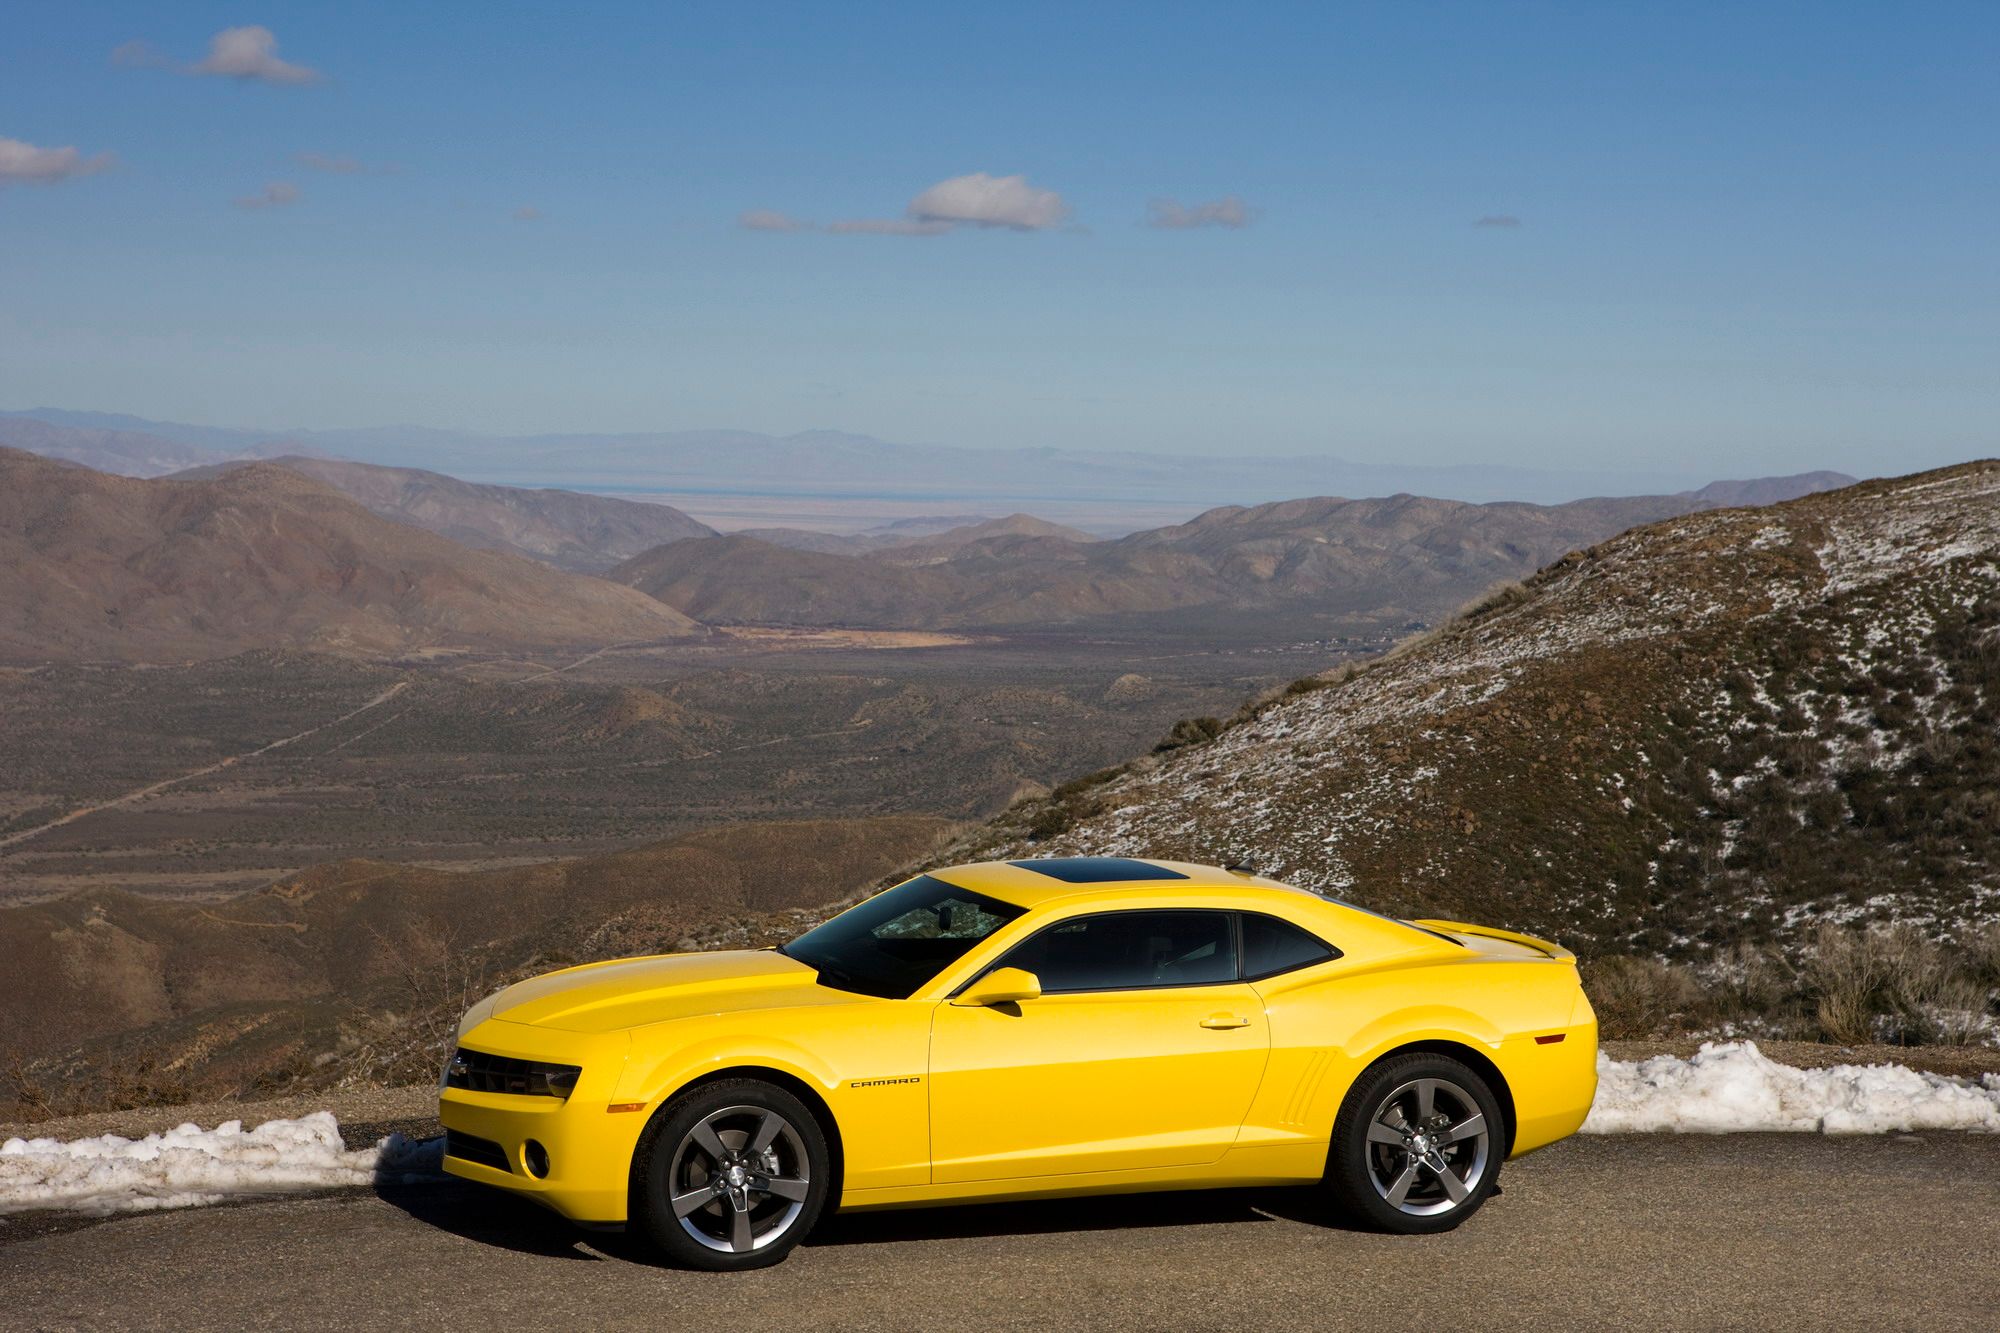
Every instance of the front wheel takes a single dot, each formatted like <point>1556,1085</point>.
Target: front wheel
<point>731,1176</point>
<point>1417,1146</point>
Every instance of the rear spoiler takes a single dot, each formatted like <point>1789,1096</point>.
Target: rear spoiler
<point>1470,935</point>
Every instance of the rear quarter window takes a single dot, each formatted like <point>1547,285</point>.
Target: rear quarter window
<point>1271,946</point>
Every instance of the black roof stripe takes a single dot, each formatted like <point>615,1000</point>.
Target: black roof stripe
<point>1096,869</point>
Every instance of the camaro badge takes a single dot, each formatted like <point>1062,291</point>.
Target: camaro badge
<point>882,1082</point>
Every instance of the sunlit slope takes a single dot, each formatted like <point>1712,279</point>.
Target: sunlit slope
<point>99,567</point>
<point>1726,725</point>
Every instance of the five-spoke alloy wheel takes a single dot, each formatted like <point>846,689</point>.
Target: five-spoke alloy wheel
<point>1418,1144</point>
<point>731,1175</point>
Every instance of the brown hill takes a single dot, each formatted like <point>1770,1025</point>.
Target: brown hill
<point>736,579</point>
<point>1402,557</point>
<point>114,568</point>
<point>1726,727</point>
<point>588,533</point>
<point>351,969</point>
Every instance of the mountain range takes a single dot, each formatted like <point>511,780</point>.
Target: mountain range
<point>837,463</point>
<point>333,555</point>
<point>1395,559</point>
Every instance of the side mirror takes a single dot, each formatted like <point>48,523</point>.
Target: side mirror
<point>1006,985</point>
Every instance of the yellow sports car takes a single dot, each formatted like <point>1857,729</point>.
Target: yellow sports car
<point>1027,1029</point>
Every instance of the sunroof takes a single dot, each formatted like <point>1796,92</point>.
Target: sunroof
<point>1096,869</point>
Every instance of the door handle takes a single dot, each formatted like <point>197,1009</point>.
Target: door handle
<point>1225,1021</point>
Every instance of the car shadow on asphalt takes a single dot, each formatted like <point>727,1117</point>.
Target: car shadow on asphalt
<point>494,1217</point>
<point>1108,1212</point>
<point>489,1216</point>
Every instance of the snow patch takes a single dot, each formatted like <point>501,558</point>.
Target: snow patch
<point>189,1165</point>
<point>1733,1087</point>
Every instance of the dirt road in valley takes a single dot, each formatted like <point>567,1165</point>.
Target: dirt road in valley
<point>1653,1232</point>
<point>154,788</point>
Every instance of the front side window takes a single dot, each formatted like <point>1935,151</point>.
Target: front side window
<point>1130,950</point>
<point>901,938</point>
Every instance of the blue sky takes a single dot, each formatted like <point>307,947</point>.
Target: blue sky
<point>1751,238</point>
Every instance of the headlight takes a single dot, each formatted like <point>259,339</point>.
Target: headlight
<point>476,1071</point>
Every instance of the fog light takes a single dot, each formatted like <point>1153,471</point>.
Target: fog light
<point>536,1158</point>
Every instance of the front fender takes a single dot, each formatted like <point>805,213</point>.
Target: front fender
<point>870,1077</point>
<point>662,1062</point>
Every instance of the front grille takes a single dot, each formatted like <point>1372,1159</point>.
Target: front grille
<point>476,1071</point>
<point>468,1148</point>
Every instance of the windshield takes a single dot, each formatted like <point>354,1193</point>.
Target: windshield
<point>898,940</point>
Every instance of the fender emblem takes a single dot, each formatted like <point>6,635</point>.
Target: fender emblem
<point>882,1082</point>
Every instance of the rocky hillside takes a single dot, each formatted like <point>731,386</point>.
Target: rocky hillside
<point>1723,727</point>
<point>108,568</point>
<point>588,533</point>
<point>1396,559</point>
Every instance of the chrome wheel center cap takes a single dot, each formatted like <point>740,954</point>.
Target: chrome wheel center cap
<point>736,1177</point>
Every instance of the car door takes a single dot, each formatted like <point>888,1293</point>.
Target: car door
<point>1143,1050</point>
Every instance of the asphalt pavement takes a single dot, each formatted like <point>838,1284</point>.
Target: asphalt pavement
<point>1650,1232</point>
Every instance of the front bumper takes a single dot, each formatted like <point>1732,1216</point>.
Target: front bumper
<point>588,1147</point>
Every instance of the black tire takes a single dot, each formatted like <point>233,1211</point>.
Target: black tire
<point>1413,1153</point>
<point>672,1162</point>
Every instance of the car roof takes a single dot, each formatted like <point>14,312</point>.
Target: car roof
<point>1037,880</point>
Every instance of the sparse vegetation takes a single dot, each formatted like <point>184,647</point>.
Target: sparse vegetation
<point>1883,984</point>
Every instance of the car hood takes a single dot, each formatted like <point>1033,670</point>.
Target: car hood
<point>604,997</point>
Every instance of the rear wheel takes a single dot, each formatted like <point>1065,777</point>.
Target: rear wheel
<point>1417,1146</point>
<point>731,1176</point>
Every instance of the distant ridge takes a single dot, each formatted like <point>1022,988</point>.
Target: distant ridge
<point>838,463</point>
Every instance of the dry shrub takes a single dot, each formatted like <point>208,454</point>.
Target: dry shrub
<point>1750,981</point>
<point>1890,983</point>
<point>1637,998</point>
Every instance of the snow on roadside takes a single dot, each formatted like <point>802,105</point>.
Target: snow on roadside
<point>190,1165</point>
<point>1732,1087</point>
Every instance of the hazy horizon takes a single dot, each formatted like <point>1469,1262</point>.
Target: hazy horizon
<point>862,479</point>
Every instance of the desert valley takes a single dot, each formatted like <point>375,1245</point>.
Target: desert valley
<point>304,752</point>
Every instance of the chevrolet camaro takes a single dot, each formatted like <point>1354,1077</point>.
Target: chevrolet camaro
<point>1027,1029</point>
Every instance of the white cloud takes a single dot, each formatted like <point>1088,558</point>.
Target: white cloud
<point>249,53</point>
<point>21,161</point>
<point>278,194</point>
<point>980,200</point>
<point>527,213</point>
<point>977,200</point>
<point>888,227</point>
<point>338,164</point>
<point>139,54</point>
<point>1228,211</point>
<point>1498,220</point>
<point>765,219</point>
